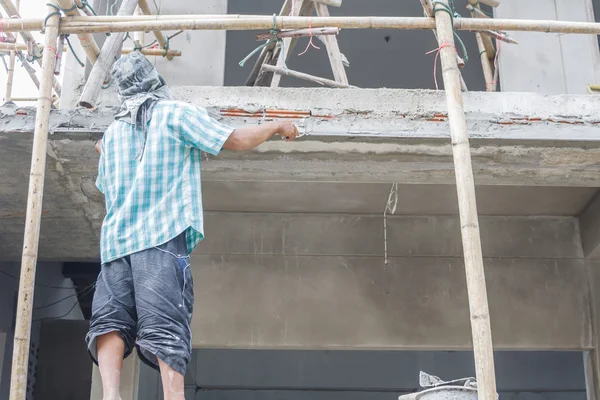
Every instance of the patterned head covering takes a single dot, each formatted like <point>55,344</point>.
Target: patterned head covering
<point>140,88</point>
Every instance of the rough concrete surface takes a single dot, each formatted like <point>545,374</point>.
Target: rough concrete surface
<point>359,303</point>
<point>545,148</point>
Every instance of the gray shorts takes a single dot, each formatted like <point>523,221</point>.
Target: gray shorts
<point>147,297</point>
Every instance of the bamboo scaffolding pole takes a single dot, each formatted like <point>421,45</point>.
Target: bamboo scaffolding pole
<point>283,51</point>
<point>13,15</point>
<point>488,73</point>
<point>86,10</point>
<point>487,41</point>
<point>160,38</point>
<point>332,3</point>
<point>491,3</point>
<point>28,68</point>
<point>138,37</point>
<point>11,67</point>
<point>87,40</point>
<point>242,23</point>
<point>465,186</point>
<point>24,99</point>
<point>147,51</point>
<point>10,75</point>
<point>485,64</point>
<point>299,33</point>
<point>428,9</point>
<point>154,52</point>
<point>306,77</point>
<point>101,68</point>
<point>333,49</point>
<point>18,383</point>
<point>266,54</point>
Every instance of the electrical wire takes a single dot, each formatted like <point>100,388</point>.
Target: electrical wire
<point>37,284</point>
<point>60,316</point>
<point>65,298</point>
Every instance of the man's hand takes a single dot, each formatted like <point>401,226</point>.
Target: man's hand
<point>288,131</point>
<point>249,137</point>
<point>98,146</point>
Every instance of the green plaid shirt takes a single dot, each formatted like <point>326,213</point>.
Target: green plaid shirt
<point>151,200</point>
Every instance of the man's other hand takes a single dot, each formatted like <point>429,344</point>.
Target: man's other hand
<point>288,131</point>
<point>98,146</point>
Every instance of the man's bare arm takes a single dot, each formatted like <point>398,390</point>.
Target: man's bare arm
<point>249,137</point>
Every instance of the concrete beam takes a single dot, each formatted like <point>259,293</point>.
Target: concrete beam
<point>589,223</point>
<point>320,302</point>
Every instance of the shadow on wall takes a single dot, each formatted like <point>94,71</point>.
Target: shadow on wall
<point>378,58</point>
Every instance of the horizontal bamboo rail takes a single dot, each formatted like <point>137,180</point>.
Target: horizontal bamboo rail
<point>125,50</point>
<point>300,33</point>
<point>154,52</point>
<point>19,47</point>
<point>240,23</point>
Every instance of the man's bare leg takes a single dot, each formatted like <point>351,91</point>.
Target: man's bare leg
<point>172,382</point>
<point>110,361</point>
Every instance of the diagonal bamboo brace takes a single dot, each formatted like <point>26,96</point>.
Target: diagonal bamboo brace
<point>465,185</point>
<point>87,40</point>
<point>18,382</point>
<point>101,68</point>
<point>160,38</point>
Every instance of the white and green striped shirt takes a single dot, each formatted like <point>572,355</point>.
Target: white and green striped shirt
<point>152,200</point>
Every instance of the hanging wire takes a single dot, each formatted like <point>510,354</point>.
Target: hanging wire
<point>390,207</point>
<point>73,51</point>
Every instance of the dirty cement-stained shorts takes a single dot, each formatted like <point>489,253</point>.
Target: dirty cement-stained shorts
<point>148,298</point>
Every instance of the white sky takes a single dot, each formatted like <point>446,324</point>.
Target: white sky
<point>22,84</point>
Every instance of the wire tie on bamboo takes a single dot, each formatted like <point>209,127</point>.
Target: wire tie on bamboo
<point>437,55</point>
<point>310,42</point>
<point>439,6</point>
<point>273,39</point>
<point>57,12</point>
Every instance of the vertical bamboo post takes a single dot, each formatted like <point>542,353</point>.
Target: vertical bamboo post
<point>11,69</point>
<point>465,185</point>
<point>18,384</point>
<point>101,68</point>
<point>487,41</point>
<point>485,64</point>
<point>10,77</point>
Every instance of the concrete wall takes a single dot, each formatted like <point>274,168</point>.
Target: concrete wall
<point>375,375</point>
<point>549,63</point>
<point>64,370</point>
<point>316,275</point>
<point>48,278</point>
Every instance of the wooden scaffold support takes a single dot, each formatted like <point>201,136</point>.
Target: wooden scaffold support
<point>467,204</point>
<point>18,383</point>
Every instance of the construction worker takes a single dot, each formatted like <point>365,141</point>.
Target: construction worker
<point>149,172</point>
